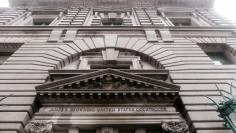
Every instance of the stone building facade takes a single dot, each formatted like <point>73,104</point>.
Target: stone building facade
<point>114,66</point>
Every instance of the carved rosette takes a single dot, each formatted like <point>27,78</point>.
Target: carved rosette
<point>174,127</point>
<point>39,127</point>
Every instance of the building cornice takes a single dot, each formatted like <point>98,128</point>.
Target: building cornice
<point>112,4</point>
<point>116,28</point>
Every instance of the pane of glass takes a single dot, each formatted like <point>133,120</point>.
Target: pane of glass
<point>219,58</point>
<point>4,56</point>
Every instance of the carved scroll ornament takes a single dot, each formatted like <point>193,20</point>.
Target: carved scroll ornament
<point>39,127</point>
<point>174,127</point>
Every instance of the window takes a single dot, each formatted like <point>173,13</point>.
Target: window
<point>42,17</point>
<point>41,22</point>
<point>181,18</point>
<point>111,18</point>
<point>183,22</point>
<point>219,58</point>
<point>220,54</point>
<point>4,56</point>
<point>6,50</point>
<point>113,58</point>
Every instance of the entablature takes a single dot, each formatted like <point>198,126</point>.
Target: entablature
<point>108,83</point>
<point>44,31</point>
<point>112,3</point>
<point>158,74</point>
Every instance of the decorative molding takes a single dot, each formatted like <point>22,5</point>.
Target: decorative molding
<point>112,4</point>
<point>39,127</point>
<point>160,74</point>
<point>151,35</point>
<point>166,35</point>
<point>70,35</point>
<point>78,72</point>
<point>174,127</point>
<point>55,35</point>
<point>107,84</point>
<point>110,55</point>
<point>155,84</point>
<point>202,33</point>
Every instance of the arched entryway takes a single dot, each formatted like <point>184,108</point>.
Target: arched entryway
<point>108,91</point>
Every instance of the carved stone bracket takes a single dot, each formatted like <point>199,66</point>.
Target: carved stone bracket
<point>39,127</point>
<point>174,127</point>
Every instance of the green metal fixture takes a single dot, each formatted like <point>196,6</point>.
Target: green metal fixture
<point>227,108</point>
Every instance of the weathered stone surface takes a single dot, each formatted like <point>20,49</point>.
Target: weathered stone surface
<point>204,116</point>
<point>151,35</point>
<point>14,117</point>
<point>166,36</point>
<point>110,40</point>
<point>214,131</point>
<point>8,131</point>
<point>20,87</point>
<point>10,126</point>
<point>18,101</point>
<point>55,35</point>
<point>42,48</point>
<point>39,127</point>
<point>70,35</point>
<point>208,125</point>
<point>17,109</point>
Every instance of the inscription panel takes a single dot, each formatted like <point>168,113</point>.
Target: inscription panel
<point>107,109</point>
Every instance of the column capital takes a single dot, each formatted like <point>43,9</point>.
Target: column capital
<point>39,127</point>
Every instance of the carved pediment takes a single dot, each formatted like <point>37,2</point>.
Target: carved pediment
<point>107,80</point>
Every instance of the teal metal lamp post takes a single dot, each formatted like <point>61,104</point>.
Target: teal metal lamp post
<point>227,108</point>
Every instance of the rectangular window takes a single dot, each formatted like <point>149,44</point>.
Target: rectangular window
<point>41,22</point>
<point>219,58</point>
<point>181,18</point>
<point>44,17</point>
<point>220,54</point>
<point>7,49</point>
<point>111,18</point>
<point>182,22</point>
<point>105,66</point>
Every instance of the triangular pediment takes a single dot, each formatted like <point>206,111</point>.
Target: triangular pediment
<point>107,80</point>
